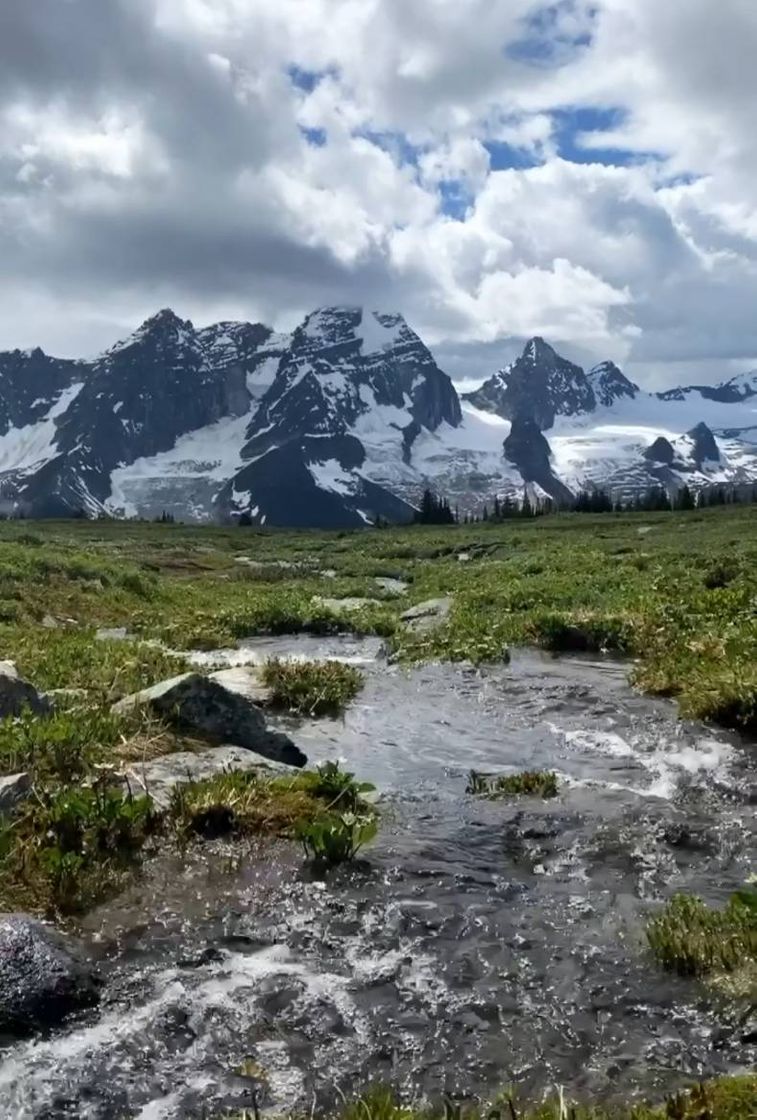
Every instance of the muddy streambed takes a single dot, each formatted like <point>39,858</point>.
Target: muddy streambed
<point>480,944</point>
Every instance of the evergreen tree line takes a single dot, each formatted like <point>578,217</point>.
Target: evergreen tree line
<point>436,510</point>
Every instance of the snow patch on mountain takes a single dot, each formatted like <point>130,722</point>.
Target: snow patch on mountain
<point>23,449</point>
<point>378,332</point>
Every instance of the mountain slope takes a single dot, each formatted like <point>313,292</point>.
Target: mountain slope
<point>344,421</point>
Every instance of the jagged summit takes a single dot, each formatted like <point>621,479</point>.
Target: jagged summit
<point>610,384</point>
<point>538,386</point>
<point>346,419</point>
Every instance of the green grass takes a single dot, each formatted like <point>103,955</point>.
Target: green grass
<point>727,1098</point>
<point>533,783</point>
<point>69,847</point>
<point>694,939</point>
<point>311,688</point>
<point>251,803</point>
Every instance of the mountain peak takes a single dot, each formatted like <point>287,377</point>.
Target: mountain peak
<point>539,386</point>
<point>537,350</point>
<point>610,383</point>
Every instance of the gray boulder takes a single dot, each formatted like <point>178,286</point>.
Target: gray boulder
<point>16,694</point>
<point>161,776</point>
<point>205,707</point>
<point>44,977</point>
<point>14,788</point>
<point>428,615</point>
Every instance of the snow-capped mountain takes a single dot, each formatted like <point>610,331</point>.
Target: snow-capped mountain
<point>345,420</point>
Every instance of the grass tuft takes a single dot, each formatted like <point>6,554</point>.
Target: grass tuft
<point>536,783</point>
<point>694,939</point>
<point>311,688</point>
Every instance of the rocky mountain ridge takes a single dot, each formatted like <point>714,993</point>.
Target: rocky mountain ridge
<point>344,421</point>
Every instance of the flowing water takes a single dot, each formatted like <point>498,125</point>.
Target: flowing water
<point>480,944</point>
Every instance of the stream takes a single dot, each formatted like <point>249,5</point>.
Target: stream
<point>478,945</point>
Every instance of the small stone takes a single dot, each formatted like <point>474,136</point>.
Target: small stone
<point>112,634</point>
<point>351,603</point>
<point>14,788</point>
<point>50,623</point>
<point>16,694</point>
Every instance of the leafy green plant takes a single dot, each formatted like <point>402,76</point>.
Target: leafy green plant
<point>538,783</point>
<point>336,838</point>
<point>312,688</point>
<point>339,788</point>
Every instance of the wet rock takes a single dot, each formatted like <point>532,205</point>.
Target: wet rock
<point>427,615</point>
<point>208,708</point>
<point>44,977</point>
<point>16,694</point>
<point>161,776</point>
<point>13,789</point>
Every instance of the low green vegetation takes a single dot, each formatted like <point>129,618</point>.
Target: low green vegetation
<point>694,939</point>
<point>535,783</point>
<point>336,837</point>
<point>68,847</point>
<point>727,1098</point>
<point>311,688</point>
<point>323,808</point>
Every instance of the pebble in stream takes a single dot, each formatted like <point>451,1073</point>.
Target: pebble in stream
<point>481,943</point>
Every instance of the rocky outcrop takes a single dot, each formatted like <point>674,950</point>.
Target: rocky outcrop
<point>17,695</point>
<point>661,451</point>
<point>217,712</point>
<point>44,977</point>
<point>427,615</point>
<point>528,449</point>
<point>537,387</point>
<point>161,776</point>
<point>704,448</point>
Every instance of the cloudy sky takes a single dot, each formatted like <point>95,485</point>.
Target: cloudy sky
<point>585,170</point>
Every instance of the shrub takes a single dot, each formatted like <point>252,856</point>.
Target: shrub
<point>312,688</point>
<point>538,783</point>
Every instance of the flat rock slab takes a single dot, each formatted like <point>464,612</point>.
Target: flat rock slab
<point>351,603</point>
<point>14,788</point>
<point>245,680</point>
<point>44,976</point>
<point>205,707</point>
<point>160,777</point>
<point>16,694</point>
<point>428,615</point>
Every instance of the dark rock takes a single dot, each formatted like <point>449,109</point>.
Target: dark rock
<point>661,451</point>
<point>527,447</point>
<point>205,707</point>
<point>44,977</point>
<point>14,788</point>
<point>610,384</point>
<point>704,445</point>
<point>537,387</point>
<point>16,694</point>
